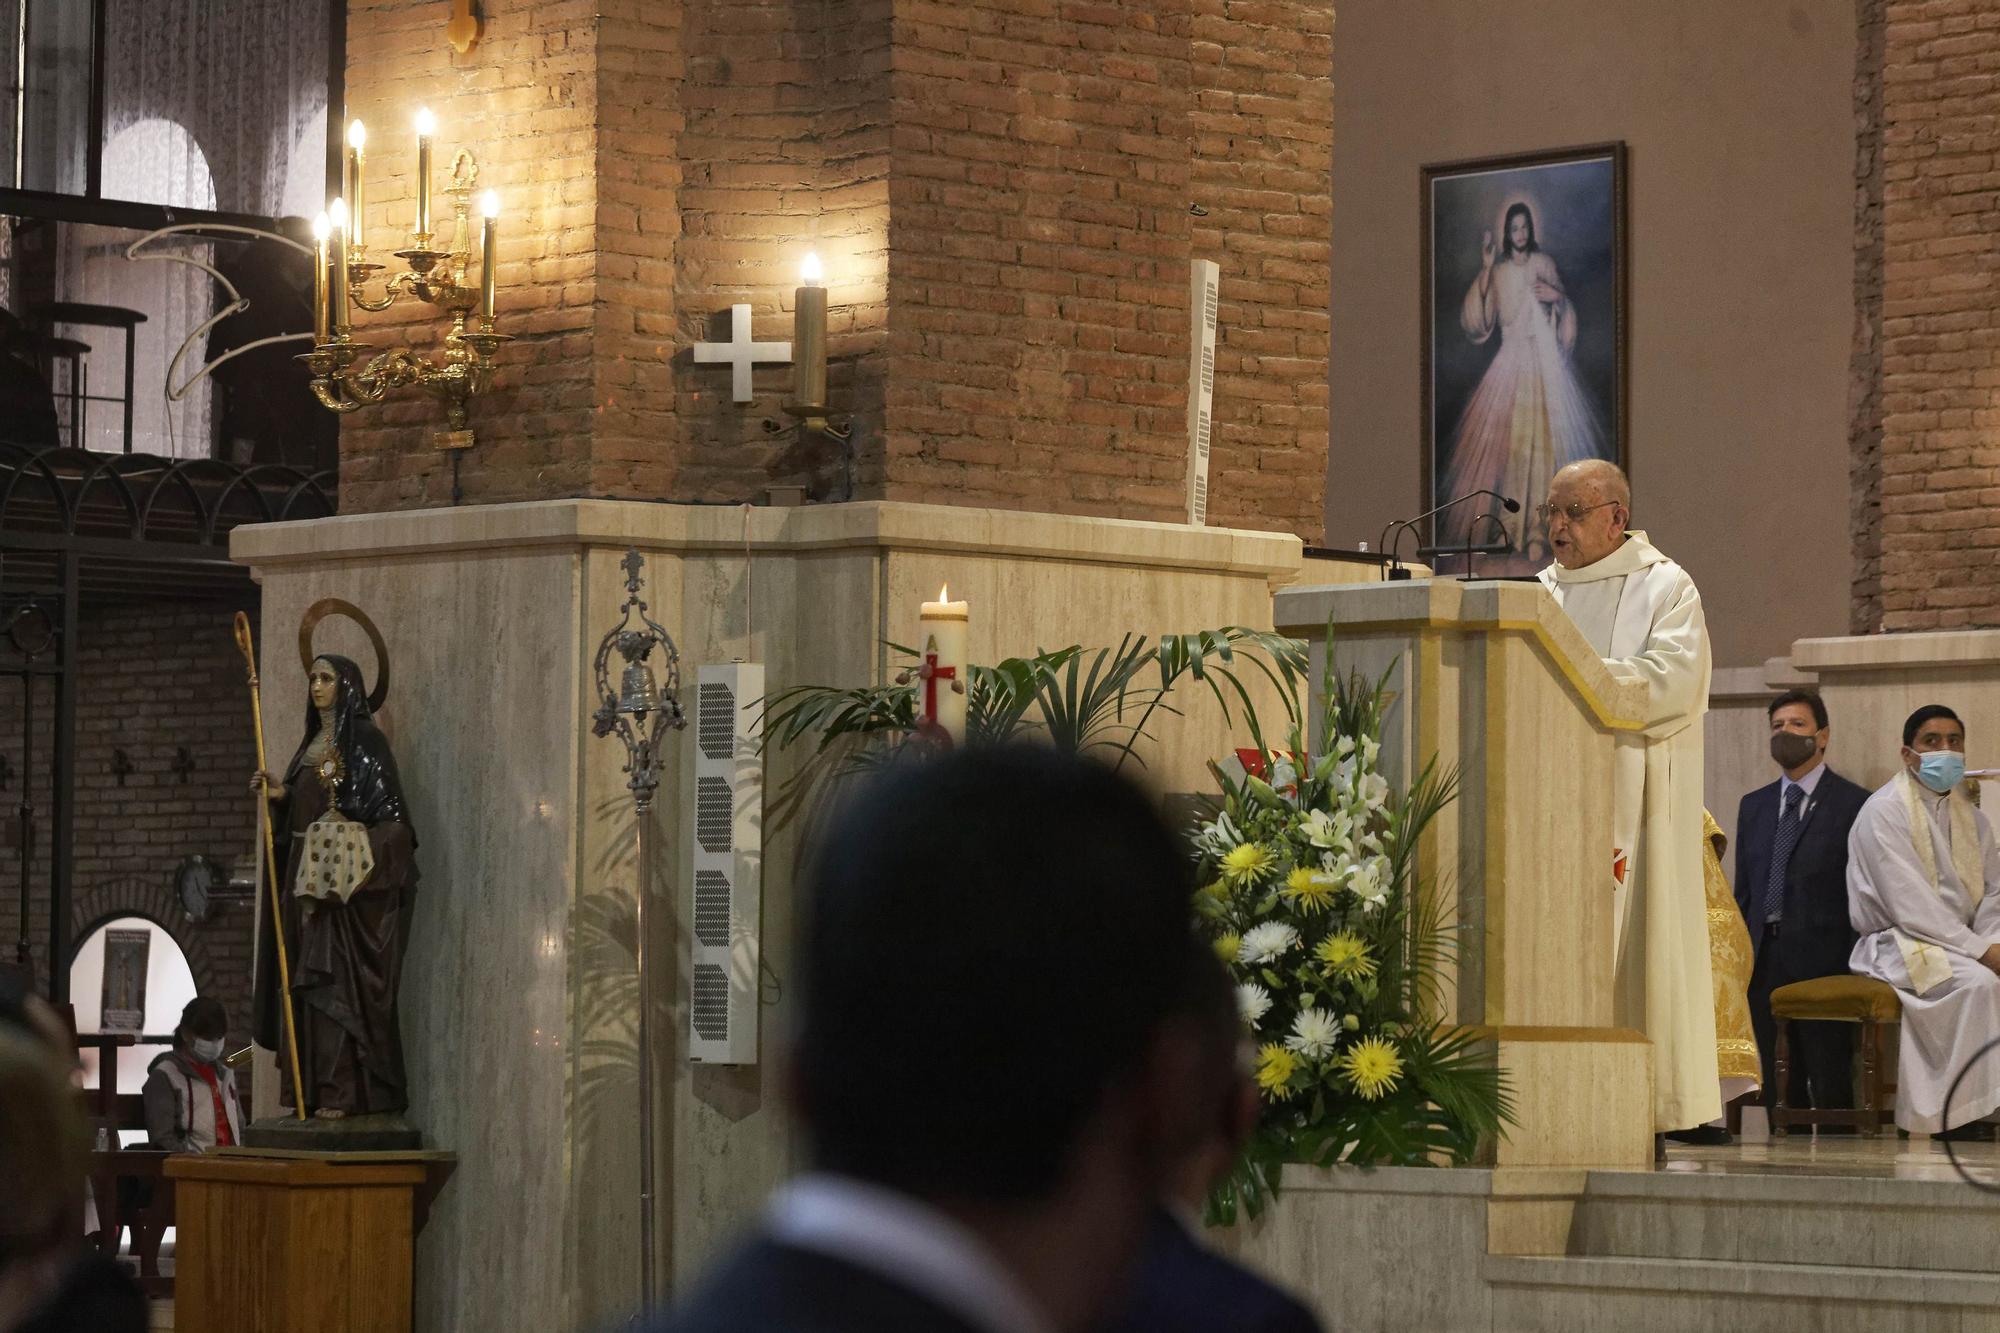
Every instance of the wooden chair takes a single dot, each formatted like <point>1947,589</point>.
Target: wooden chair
<point>126,1184</point>
<point>1862,1000</point>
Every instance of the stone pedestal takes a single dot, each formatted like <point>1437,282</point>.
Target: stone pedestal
<point>354,1133</point>
<point>518,999</point>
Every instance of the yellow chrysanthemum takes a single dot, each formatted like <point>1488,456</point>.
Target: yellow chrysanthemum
<point>1308,889</point>
<point>1228,946</point>
<point>1275,1066</point>
<point>1245,863</point>
<point>1344,954</point>
<point>1372,1066</point>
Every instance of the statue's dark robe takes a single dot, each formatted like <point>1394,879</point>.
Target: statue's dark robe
<point>346,958</point>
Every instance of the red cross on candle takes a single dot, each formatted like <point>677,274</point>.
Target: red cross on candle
<point>930,673</point>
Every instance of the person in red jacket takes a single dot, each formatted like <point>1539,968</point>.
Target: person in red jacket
<point>191,1102</point>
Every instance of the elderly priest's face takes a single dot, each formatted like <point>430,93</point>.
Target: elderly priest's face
<point>1586,519</point>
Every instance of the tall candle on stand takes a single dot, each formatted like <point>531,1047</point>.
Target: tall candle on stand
<point>357,193</point>
<point>809,337</point>
<point>942,626</point>
<point>489,228</point>
<point>336,217</point>
<point>320,229</point>
<point>426,127</point>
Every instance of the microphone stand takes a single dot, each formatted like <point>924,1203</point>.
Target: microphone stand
<point>1471,528</point>
<point>1396,569</point>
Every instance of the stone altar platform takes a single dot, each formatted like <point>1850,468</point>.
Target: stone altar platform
<point>1840,1234</point>
<point>518,998</point>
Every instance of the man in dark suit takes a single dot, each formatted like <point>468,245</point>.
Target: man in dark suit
<point>1791,882</point>
<point>988,1069</point>
<point>1183,1286</point>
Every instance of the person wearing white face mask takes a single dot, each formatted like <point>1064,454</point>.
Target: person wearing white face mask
<point>191,1103</point>
<point>1923,890</point>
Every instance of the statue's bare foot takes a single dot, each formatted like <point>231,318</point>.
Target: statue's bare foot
<point>330,1113</point>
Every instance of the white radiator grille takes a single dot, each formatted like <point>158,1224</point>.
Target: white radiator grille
<point>727,865</point>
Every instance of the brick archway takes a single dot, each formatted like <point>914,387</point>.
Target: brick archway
<point>150,897</point>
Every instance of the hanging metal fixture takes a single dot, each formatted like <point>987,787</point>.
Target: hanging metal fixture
<point>640,712</point>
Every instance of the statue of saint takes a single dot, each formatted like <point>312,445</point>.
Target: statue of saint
<point>347,847</point>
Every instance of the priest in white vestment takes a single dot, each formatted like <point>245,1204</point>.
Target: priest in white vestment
<point>1923,888</point>
<point>1642,615</point>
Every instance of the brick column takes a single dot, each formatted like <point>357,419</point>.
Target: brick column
<point>1939,538</point>
<point>1007,198</point>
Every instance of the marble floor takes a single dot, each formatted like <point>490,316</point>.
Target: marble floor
<point>1885,1158</point>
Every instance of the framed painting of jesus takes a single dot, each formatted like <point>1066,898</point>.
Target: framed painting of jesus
<point>1524,366</point>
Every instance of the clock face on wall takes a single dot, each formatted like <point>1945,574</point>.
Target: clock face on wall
<point>195,882</point>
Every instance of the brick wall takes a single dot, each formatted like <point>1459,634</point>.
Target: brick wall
<point>155,678</point>
<point>1940,467</point>
<point>1864,393</point>
<point>524,100</point>
<point>1000,191</point>
<point>785,151</point>
<point>1038,245</point>
<point>1263,139</point>
<point>1048,162</point>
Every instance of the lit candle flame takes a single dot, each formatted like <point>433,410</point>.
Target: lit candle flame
<point>810,273</point>
<point>944,593</point>
<point>336,214</point>
<point>357,134</point>
<point>489,204</point>
<point>321,227</point>
<point>426,123</point>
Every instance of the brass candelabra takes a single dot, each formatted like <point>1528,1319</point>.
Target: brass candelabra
<point>346,377</point>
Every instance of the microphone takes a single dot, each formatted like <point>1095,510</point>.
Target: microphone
<point>1396,570</point>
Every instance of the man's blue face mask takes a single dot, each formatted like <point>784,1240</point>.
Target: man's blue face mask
<point>1941,770</point>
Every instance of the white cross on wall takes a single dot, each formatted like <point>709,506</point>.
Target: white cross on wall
<point>740,353</point>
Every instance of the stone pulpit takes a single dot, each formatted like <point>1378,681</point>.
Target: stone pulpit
<point>1493,680</point>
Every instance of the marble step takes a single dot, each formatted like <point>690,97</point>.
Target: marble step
<point>1650,1295</point>
<point>1849,1221</point>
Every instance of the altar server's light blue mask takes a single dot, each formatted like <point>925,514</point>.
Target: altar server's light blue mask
<point>1941,770</point>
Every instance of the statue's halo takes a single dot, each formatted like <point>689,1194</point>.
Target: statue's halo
<point>335,606</point>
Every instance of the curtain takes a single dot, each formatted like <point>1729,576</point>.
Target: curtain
<point>209,104</point>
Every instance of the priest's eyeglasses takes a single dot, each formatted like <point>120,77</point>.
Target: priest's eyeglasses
<point>1573,512</point>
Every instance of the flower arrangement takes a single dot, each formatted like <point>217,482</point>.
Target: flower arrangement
<point>1311,897</point>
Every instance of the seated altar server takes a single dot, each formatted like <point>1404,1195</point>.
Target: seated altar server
<point>989,1069</point>
<point>1923,886</point>
<point>1641,614</point>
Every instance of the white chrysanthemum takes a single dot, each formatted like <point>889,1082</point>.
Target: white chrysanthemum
<point>1314,1033</point>
<point>1252,1002</point>
<point>1267,940</point>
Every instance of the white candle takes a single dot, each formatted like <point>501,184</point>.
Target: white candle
<point>336,216</point>
<point>944,623</point>
<point>489,230</point>
<point>809,337</point>
<point>320,229</point>
<point>426,126</point>
<point>357,193</point>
